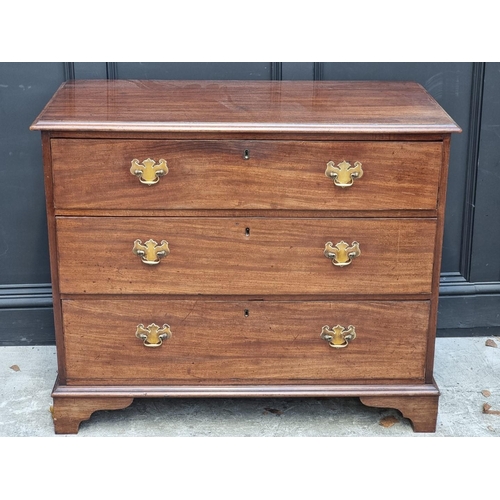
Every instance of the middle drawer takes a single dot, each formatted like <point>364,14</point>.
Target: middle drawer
<point>244,256</point>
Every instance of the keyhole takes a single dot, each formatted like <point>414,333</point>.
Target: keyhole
<point>247,231</point>
<point>246,154</point>
<point>247,313</point>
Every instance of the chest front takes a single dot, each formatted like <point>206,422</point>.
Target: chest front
<point>246,239</point>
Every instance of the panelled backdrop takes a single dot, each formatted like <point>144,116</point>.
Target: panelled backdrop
<point>469,92</point>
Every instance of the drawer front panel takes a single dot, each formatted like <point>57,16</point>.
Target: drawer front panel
<point>95,174</point>
<point>243,341</point>
<point>244,256</point>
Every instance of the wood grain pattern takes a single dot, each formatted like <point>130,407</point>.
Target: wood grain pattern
<point>215,256</point>
<point>258,136</point>
<point>74,404</point>
<point>438,250</point>
<point>244,106</point>
<point>290,214</point>
<point>223,342</point>
<point>246,288</point>
<point>388,388</point>
<point>214,175</point>
<point>68,412</point>
<point>54,268</point>
<point>421,410</point>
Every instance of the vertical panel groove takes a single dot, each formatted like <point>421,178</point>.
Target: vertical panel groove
<point>111,71</point>
<point>69,71</point>
<point>318,71</point>
<point>276,73</point>
<point>476,105</point>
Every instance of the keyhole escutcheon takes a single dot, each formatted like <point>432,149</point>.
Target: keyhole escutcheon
<point>246,154</point>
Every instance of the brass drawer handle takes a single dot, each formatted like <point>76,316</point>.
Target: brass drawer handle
<point>338,337</point>
<point>152,335</point>
<point>150,252</point>
<point>342,254</point>
<point>149,172</point>
<point>343,174</point>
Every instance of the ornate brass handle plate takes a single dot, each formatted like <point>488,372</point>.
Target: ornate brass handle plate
<point>338,337</point>
<point>150,252</point>
<point>152,335</point>
<point>344,173</point>
<point>149,172</point>
<point>342,254</point>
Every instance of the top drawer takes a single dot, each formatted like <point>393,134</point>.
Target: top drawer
<point>220,174</point>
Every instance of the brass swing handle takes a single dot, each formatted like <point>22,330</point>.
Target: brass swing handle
<point>342,253</point>
<point>344,173</point>
<point>151,252</point>
<point>149,172</point>
<point>152,335</point>
<point>338,337</point>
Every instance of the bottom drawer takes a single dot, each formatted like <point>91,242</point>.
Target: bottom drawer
<point>240,342</point>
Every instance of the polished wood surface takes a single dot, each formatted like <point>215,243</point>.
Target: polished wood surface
<point>68,413</point>
<point>438,250</point>
<point>244,106</point>
<point>387,388</point>
<point>216,256</point>
<point>421,410</point>
<point>246,288</point>
<point>223,342</point>
<point>214,175</point>
<point>290,214</point>
<point>54,268</point>
<point>74,404</point>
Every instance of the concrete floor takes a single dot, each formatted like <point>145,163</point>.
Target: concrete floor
<point>464,368</point>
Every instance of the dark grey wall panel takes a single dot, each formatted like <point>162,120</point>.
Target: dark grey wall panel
<point>25,296</point>
<point>297,71</point>
<point>27,326</point>
<point>89,71</point>
<point>467,315</point>
<point>485,265</point>
<point>450,85</point>
<point>472,306</point>
<point>24,91</point>
<point>195,71</point>
<point>470,288</point>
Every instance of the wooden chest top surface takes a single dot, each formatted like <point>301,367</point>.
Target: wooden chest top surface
<point>244,106</point>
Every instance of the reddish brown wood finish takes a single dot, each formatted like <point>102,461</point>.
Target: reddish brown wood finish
<point>214,175</point>
<point>421,136</point>
<point>234,342</point>
<point>436,274</point>
<point>302,214</point>
<point>243,106</point>
<point>215,256</point>
<point>421,410</point>
<point>54,268</point>
<point>278,273</point>
<point>68,412</point>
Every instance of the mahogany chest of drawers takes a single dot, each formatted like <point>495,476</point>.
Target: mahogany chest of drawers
<point>224,238</point>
